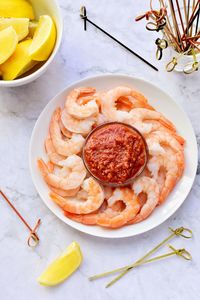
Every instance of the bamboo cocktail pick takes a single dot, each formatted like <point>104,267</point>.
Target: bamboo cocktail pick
<point>179,252</point>
<point>175,232</point>
<point>33,238</point>
<point>179,23</point>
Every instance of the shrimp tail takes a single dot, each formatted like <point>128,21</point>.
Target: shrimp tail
<point>42,167</point>
<point>89,219</point>
<point>59,200</point>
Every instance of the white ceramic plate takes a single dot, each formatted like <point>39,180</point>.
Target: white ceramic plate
<point>163,103</point>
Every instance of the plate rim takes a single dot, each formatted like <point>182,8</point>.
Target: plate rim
<point>110,75</point>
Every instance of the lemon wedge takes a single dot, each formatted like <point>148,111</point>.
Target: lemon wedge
<point>8,43</point>
<point>16,9</point>
<point>32,28</point>
<point>19,63</point>
<point>20,25</point>
<point>43,39</point>
<point>62,267</point>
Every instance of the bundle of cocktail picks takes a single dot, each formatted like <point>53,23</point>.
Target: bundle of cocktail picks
<point>178,20</point>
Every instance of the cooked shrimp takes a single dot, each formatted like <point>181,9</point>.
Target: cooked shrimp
<point>61,192</point>
<point>108,191</point>
<point>138,115</point>
<point>123,103</point>
<point>75,205</point>
<point>85,110</point>
<point>121,207</point>
<point>139,100</point>
<point>149,187</point>
<point>164,138</point>
<point>87,219</point>
<point>172,173</point>
<point>65,131</point>
<point>164,143</point>
<point>85,99</point>
<point>81,197</point>
<point>75,125</point>
<point>101,119</point>
<point>70,176</point>
<point>136,100</point>
<point>161,178</point>
<point>64,147</point>
<point>147,127</point>
<point>115,219</point>
<point>110,99</point>
<point>64,193</point>
<point>50,166</point>
<point>54,157</point>
<point>91,219</point>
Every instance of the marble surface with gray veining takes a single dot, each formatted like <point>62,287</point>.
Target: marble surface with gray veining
<point>85,54</point>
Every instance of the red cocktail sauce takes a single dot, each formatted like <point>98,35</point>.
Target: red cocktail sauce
<point>115,153</point>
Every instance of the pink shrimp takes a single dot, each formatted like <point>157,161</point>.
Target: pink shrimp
<point>64,193</point>
<point>77,126</point>
<point>138,115</point>
<point>82,111</point>
<point>64,147</point>
<point>54,157</point>
<point>70,176</point>
<point>149,187</point>
<point>65,131</point>
<point>149,126</point>
<point>122,206</point>
<point>115,219</point>
<point>164,143</point>
<point>171,172</point>
<point>87,219</point>
<point>109,102</point>
<point>95,198</point>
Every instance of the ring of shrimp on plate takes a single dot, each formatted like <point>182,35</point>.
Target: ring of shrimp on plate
<point>122,175</point>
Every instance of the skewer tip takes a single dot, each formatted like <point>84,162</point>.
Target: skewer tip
<point>83,12</point>
<point>83,15</point>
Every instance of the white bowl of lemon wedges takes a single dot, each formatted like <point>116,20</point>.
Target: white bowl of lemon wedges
<point>30,36</point>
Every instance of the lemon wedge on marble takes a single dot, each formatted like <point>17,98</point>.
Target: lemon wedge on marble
<point>8,43</point>
<point>62,267</point>
<point>18,63</point>
<point>20,25</point>
<point>44,39</point>
<point>16,9</point>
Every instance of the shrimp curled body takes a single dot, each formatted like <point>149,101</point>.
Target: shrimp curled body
<point>85,110</point>
<point>67,147</point>
<point>70,176</point>
<point>149,187</point>
<point>95,198</point>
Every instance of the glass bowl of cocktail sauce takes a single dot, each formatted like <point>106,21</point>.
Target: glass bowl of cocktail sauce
<point>115,153</point>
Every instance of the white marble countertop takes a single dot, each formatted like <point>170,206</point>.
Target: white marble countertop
<point>85,54</point>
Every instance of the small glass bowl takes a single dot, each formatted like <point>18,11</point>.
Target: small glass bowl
<point>112,184</point>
